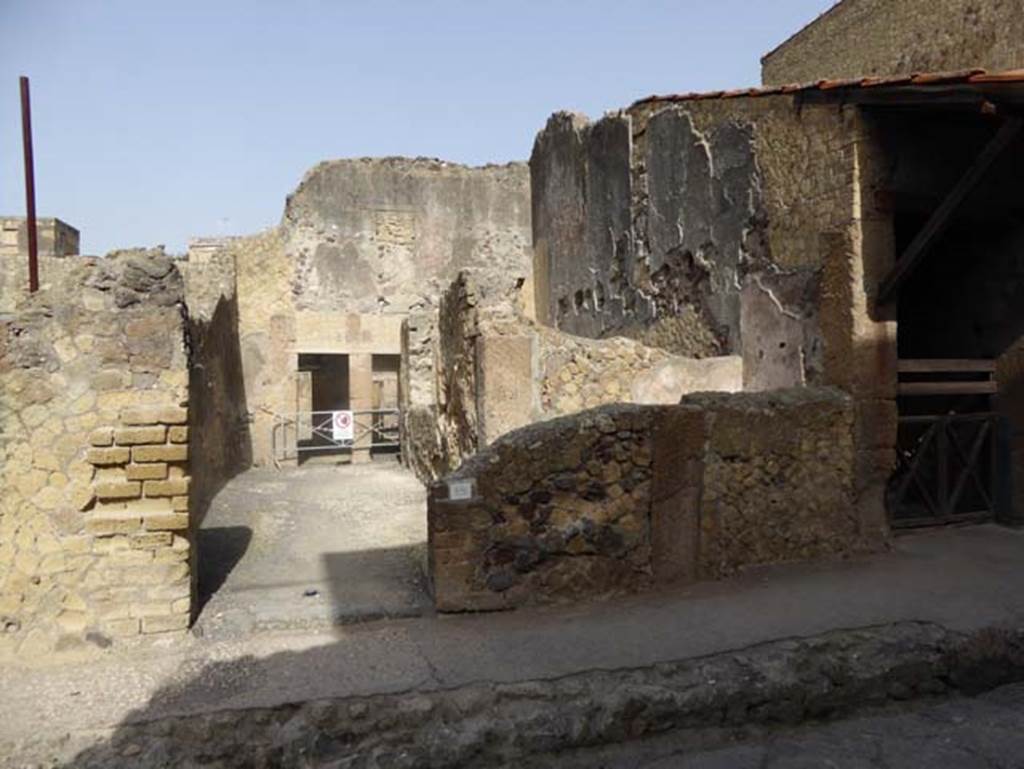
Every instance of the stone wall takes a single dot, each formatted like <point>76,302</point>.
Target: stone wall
<point>492,369</point>
<point>740,226</point>
<point>95,535</point>
<point>615,499</point>
<point>53,237</point>
<point>706,240</point>
<point>362,245</point>
<point>218,413</point>
<point>858,38</point>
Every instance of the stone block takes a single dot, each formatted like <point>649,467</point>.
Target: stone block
<point>134,436</point>
<point>165,521</point>
<point>151,609</point>
<point>147,471</point>
<point>177,434</point>
<point>180,504</point>
<point>165,624</point>
<point>174,415</point>
<point>173,592</point>
<point>172,453</point>
<point>122,627</point>
<point>506,385</point>
<point>130,557</point>
<point>101,436</point>
<point>114,490</point>
<point>151,540</point>
<point>114,522</point>
<point>168,488</point>
<point>140,415</point>
<point>104,457</point>
<point>182,606</point>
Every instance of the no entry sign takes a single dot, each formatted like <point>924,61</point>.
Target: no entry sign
<point>342,426</point>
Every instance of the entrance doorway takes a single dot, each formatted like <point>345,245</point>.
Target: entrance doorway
<point>955,185</point>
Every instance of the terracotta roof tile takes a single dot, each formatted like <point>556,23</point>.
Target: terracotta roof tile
<point>923,79</point>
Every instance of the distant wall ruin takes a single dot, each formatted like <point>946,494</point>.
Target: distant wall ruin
<point>362,244</point>
<point>861,38</point>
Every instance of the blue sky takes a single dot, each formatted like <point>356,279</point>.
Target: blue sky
<point>158,121</point>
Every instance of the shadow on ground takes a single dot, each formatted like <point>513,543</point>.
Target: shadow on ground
<point>220,550</point>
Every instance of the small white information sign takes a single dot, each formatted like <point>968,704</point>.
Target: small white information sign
<point>460,490</point>
<point>342,426</point>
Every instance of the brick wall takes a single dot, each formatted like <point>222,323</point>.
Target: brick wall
<point>95,536</point>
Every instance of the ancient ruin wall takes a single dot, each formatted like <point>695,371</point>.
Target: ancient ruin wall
<point>496,370</point>
<point>391,234</point>
<point>880,37</point>
<point>617,498</point>
<point>218,413</point>
<point>94,520</point>
<point>754,230</point>
<point>695,227</point>
<point>362,245</point>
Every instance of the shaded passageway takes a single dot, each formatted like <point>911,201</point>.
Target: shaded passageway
<point>312,547</point>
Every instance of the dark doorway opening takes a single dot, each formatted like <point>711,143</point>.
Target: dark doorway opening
<point>322,387</point>
<point>961,316</point>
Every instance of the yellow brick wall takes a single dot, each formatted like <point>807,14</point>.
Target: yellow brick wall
<point>95,539</point>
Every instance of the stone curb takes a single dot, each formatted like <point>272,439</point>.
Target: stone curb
<point>781,682</point>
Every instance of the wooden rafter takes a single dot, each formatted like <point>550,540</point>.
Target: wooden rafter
<point>940,220</point>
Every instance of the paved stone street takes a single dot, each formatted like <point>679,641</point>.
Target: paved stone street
<point>985,732</point>
<point>312,547</point>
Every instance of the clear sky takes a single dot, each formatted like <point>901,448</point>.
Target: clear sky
<point>156,121</point>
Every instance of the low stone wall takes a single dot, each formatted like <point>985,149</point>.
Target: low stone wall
<point>94,519</point>
<point>614,499</point>
<point>480,368</point>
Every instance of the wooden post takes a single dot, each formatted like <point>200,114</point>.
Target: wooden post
<point>30,187</point>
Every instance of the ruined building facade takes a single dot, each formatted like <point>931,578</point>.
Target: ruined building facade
<point>546,336</point>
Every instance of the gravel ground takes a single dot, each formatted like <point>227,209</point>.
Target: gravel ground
<point>312,547</point>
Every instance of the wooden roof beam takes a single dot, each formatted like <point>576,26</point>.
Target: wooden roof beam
<point>940,220</point>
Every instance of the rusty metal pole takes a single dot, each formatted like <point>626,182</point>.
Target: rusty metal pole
<point>30,187</point>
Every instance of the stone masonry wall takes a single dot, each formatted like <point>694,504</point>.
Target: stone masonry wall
<point>218,411</point>
<point>363,244</point>
<point>694,226</point>
<point>95,533</point>
<point>744,226</point>
<point>615,499</point>
<point>777,478</point>
<point>54,238</point>
<point>494,370</point>
<point>858,38</point>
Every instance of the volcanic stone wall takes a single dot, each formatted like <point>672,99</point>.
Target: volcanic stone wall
<point>858,38</point>
<point>615,499</point>
<point>95,536</point>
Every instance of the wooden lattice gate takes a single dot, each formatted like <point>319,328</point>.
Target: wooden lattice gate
<point>949,464</point>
